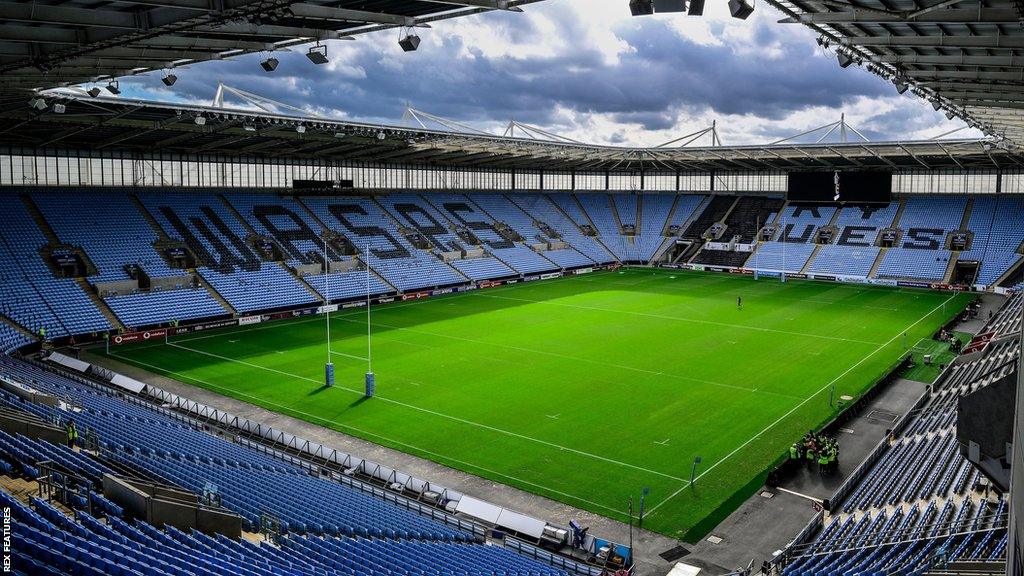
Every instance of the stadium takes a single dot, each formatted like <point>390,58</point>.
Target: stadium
<point>253,337</point>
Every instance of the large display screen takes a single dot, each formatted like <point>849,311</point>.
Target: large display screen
<point>840,186</point>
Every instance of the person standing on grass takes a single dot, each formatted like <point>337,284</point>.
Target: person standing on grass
<point>739,302</point>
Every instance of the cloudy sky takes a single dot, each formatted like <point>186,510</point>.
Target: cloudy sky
<point>587,70</point>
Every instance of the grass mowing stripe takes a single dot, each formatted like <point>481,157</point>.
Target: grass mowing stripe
<point>435,413</point>
<point>808,399</point>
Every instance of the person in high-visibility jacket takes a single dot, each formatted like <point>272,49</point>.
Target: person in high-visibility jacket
<point>72,433</point>
<point>42,332</point>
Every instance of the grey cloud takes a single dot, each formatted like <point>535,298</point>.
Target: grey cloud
<point>651,85</point>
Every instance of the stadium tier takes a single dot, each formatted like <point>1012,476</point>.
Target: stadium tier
<point>328,528</point>
<point>80,263</point>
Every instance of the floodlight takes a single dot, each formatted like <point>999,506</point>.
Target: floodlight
<point>37,103</point>
<point>300,129</point>
<point>248,127</point>
<point>409,43</point>
<point>669,6</point>
<point>317,54</point>
<point>901,85</point>
<point>381,135</point>
<point>950,115</point>
<point>200,120</point>
<point>59,108</point>
<point>641,7</point>
<point>936,104</point>
<point>94,91</point>
<point>169,79</point>
<point>740,9</point>
<point>113,87</point>
<point>269,65</point>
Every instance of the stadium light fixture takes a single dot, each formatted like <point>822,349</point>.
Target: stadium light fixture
<point>936,104</point>
<point>94,91</point>
<point>200,120</point>
<point>950,115</point>
<point>301,129</point>
<point>317,54</point>
<point>114,87</point>
<point>169,79</point>
<point>59,108</point>
<point>409,43</point>
<point>269,64</point>
<point>641,7</point>
<point>901,85</point>
<point>740,9</point>
<point>37,104</point>
<point>665,6</point>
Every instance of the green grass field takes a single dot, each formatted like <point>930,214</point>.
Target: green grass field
<point>585,389</point>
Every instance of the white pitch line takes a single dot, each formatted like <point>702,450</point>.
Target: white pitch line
<point>352,356</point>
<point>434,413</point>
<point>798,406</point>
<point>678,318</point>
<point>312,417</point>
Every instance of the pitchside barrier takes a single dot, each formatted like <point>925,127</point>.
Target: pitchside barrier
<point>526,549</point>
<point>828,277</point>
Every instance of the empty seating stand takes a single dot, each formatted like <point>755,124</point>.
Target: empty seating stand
<point>30,294</point>
<point>150,308</point>
<point>263,251</point>
<point>109,228</point>
<point>328,527</point>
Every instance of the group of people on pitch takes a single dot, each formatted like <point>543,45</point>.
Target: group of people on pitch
<point>817,449</point>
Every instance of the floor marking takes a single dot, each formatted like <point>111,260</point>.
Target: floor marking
<point>677,318</point>
<point>798,406</point>
<point>811,498</point>
<point>663,442</point>
<point>285,410</point>
<point>554,416</point>
<point>432,412</point>
<point>576,359</point>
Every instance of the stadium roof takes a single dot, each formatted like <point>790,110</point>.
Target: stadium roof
<point>49,43</point>
<point>118,124</point>
<point>966,56</point>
